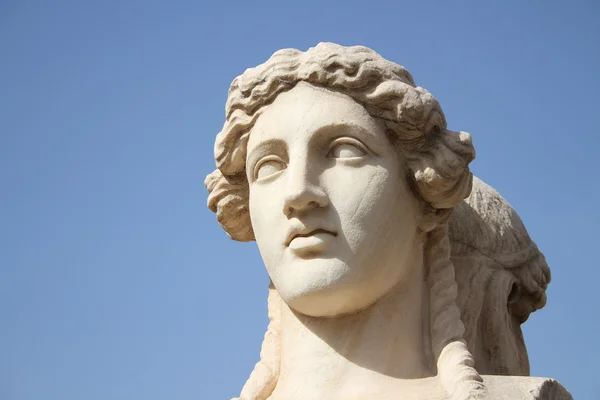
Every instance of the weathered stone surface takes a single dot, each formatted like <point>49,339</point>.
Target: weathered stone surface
<point>395,274</point>
<point>524,388</point>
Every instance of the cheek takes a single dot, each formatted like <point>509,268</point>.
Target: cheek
<point>264,211</point>
<point>265,204</point>
<point>374,203</point>
<point>362,192</point>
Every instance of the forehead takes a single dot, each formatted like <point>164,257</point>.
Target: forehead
<point>305,109</point>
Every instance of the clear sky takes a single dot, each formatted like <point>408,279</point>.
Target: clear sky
<point>116,282</point>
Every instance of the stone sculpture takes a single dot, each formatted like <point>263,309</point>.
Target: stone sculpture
<point>395,273</point>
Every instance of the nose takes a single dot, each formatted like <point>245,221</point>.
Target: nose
<point>302,193</point>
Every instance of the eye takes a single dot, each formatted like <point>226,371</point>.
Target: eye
<point>347,148</point>
<point>267,167</point>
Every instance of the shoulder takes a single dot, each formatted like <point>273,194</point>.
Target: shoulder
<point>524,388</point>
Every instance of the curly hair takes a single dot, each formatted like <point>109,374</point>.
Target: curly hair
<point>437,163</point>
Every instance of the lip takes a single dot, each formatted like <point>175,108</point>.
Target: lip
<point>297,238</point>
<point>311,243</point>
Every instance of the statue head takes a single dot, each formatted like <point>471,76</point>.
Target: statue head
<point>343,171</point>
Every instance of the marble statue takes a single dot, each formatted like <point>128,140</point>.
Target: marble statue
<point>395,274</point>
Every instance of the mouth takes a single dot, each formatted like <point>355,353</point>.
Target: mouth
<point>309,237</point>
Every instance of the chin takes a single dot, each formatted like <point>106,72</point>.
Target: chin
<point>334,299</point>
<point>328,287</point>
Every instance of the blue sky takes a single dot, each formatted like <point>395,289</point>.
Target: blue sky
<point>116,281</point>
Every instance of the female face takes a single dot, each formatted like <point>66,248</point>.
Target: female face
<point>331,211</point>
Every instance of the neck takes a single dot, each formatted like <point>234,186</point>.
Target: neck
<point>389,339</point>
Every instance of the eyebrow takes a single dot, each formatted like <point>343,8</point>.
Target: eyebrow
<point>344,125</point>
<point>270,145</point>
<point>368,138</point>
